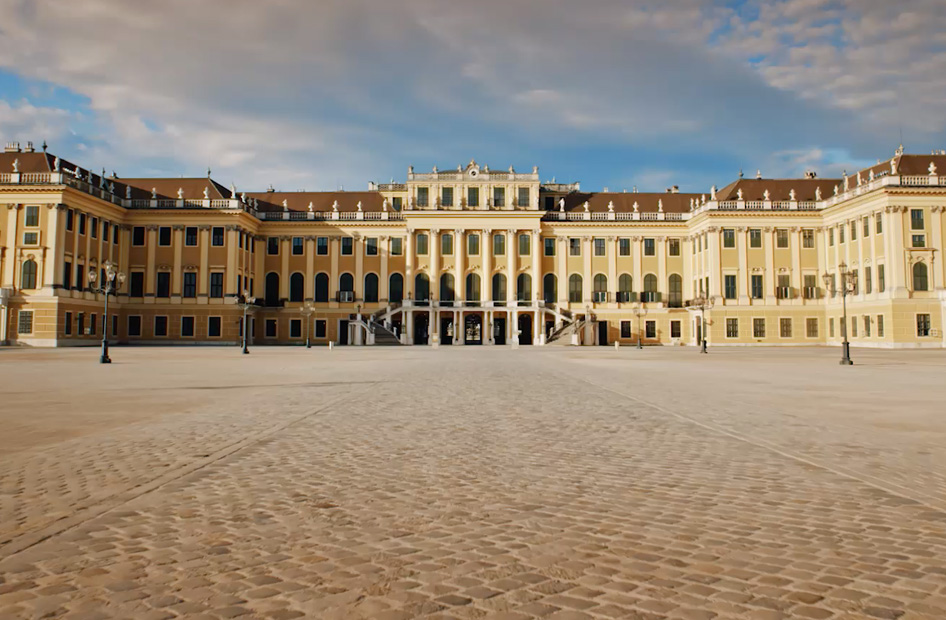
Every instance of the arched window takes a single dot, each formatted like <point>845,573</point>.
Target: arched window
<point>625,289</point>
<point>920,279</point>
<point>499,287</point>
<point>296,287</point>
<point>421,287</point>
<point>321,287</point>
<point>600,285</point>
<point>550,288</point>
<point>396,288</point>
<point>675,291</point>
<point>472,287</point>
<point>371,287</point>
<point>650,288</point>
<point>524,287</point>
<point>346,283</point>
<point>272,289</point>
<point>28,275</point>
<point>447,290</point>
<point>574,288</point>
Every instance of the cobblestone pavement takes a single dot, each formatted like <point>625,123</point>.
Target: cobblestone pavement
<point>473,483</point>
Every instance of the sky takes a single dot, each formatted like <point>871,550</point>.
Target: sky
<point>617,94</point>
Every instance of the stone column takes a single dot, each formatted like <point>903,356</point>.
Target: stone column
<point>409,266</point>
<point>936,242</point>
<point>333,243</point>
<point>796,279</point>
<point>486,248</point>
<point>536,251</point>
<point>589,276</point>
<point>359,248</point>
<point>310,270</point>
<point>662,284</point>
<point>714,263</point>
<point>434,314</point>
<point>233,259</point>
<point>284,250</point>
<point>896,261</point>
<point>459,251</point>
<point>152,243</point>
<point>770,279</point>
<point>637,249</point>
<point>56,232</point>
<point>512,266</point>
<point>202,277</point>
<point>612,268</point>
<point>383,292</point>
<point>176,273</point>
<point>9,268</point>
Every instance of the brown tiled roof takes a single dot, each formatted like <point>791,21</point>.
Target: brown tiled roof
<point>29,162</point>
<point>779,189</point>
<point>166,188</point>
<point>624,202</point>
<point>321,201</point>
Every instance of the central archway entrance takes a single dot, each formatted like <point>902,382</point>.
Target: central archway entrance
<point>421,328</point>
<point>525,329</point>
<point>473,329</point>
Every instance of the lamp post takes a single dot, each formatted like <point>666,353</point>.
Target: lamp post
<point>847,287</point>
<point>112,281</point>
<point>639,311</point>
<point>246,302</point>
<point>307,311</point>
<point>702,303</point>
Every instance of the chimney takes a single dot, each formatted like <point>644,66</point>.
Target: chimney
<point>29,147</point>
<point>12,147</point>
<point>810,174</point>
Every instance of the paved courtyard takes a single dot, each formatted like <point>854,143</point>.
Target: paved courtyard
<point>390,483</point>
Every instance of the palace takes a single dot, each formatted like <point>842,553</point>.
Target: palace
<point>473,255</point>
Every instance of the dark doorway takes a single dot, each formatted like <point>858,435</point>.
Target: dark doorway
<point>549,329</point>
<point>473,329</point>
<point>343,331</point>
<point>525,329</point>
<point>603,333</point>
<point>446,330</point>
<point>421,328</point>
<point>699,332</point>
<point>499,330</point>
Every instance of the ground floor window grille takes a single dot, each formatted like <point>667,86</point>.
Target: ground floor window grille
<point>866,326</point>
<point>732,328</point>
<point>811,327</point>
<point>880,326</point>
<point>674,329</point>
<point>758,328</point>
<point>922,325</point>
<point>651,329</point>
<point>785,327</point>
<point>625,329</point>
<point>24,324</point>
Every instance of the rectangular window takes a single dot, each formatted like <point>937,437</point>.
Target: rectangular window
<point>82,222</point>
<point>830,237</point>
<point>24,323</point>
<point>134,326</point>
<point>853,231</point>
<point>755,237</point>
<point>446,244</point>
<point>115,234</point>
<point>67,275</point>
<point>272,246</point>
<point>729,238</point>
<point>868,281</point>
<point>164,236</point>
<point>807,238</point>
<point>650,329</point>
<point>625,329</point>
<point>138,236</point>
<point>549,243</point>
<point>499,196</point>
<point>574,247</point>
<point>831,328</point>
<point>163,288</point>
<point>525,245</point>
<point>422,244</point>
<point>70,220</point>
<point>472,196</point>
<point>922,325</point>
<point>214,324</point>
<point>320,328</point>
<point>919,241</point>
<point>730,286</point>
<point>137,284</point>
<point>650,247</point>
<point>673,247</point>
<point>473,245</point>
<point>32,216</point>
<point>216,284</point>
<point>879,223</point>
<point>811,286</point>
<point>295,328</point>
<point>732,328</point>
<point>160,326</point>
<point>866,326</point>
<point>881,283</point>
<point>270,328</point>
<point>80,323</point>
<point>348,246</point>
<point>446,196</point>
<point>785,327</point>
<point>854,326</point>
<point>190,284</point>
<point>624,246</point>
<point>781,238</point>
<point>499,245</point>
<point>105,229</point>
<point>31,238</point>
<point>758,328</point>
<point>757,289</point>
<point>811,327</point>
<point>841,233</point>
<point>67,324</point>
<point>784,287</point>
<point>523,196</point>
<point>216,236</point>
<point>187,327</point>
<point>916,219</point>
<point>674,329</point>
<point>190,236</point>
<point>240,240</point>
<point>371,246</point>
<point>94,226</point>
<point>397,246</point>
<point>866,226</point>
<point>321,246</point>
<point>298,246</point>
<point>599,247</point>
<point>423,194</point>
<point>880,326</point>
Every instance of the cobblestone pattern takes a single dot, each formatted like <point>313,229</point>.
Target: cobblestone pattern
<point>490,485</point>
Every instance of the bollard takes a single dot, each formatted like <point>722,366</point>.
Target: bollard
<point>331,345</point>
<point>617,345</point>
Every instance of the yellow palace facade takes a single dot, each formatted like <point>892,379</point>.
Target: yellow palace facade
<point>473,256</point>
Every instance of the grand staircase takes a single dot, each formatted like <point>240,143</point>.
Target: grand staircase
<point>383,337</point>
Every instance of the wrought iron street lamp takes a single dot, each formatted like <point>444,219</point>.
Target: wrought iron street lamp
<point>848,286</point>
<point>307,311</point>
<point>111,282</point>
<point>702,303</point>
<point>639,311</point>
<point>246,303</point>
